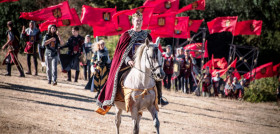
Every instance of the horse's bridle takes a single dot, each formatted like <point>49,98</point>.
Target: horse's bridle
<point>151,64</point>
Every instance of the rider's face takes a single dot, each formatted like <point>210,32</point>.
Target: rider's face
<point>137,22</point>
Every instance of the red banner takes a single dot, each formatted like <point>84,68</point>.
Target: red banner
<point>159,24</point>
<point>58,12</point>
<point>216,63</point>
<point>181,28</point>
<point>97,16</point>
<point>232,65</point>
<point>197,5</point>
<point>249,27</point>
<point>146,12</point>
<point>222,24</point>
<point>262,71</point>
<point>197,47</point>
<point>276,69</point>
<point>2,1</point>
<point>75,21</point>
<point>194,25</point>
<point>163,6</point>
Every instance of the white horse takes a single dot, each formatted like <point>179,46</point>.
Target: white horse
<point>147,69</point>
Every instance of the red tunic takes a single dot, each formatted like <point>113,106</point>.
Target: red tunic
<point>168,64</point>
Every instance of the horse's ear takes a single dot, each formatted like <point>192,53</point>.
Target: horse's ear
<point>147,42</point>
<point>157,41</point>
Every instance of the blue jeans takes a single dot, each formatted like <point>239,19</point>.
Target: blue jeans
<point>51,67</point>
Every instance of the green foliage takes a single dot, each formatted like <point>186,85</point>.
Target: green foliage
<point>111,43</point>
<point>262,90</point>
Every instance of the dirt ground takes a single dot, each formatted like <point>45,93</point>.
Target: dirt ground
<point>30,105</point>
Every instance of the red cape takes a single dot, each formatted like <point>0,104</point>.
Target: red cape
<point>107,94</point>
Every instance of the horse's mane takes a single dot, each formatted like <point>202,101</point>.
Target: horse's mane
<point>138,55</point>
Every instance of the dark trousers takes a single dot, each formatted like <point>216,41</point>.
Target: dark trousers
<point>168,83</point>
<point>9,68</point>
<point>76,75</point>
<point>87,71</point>
<point>29,62</point>
<point>189,81</point>
<point>159,91</point>
<point>180,80</point>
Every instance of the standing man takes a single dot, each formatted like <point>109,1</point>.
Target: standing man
<point>188,72</point>
<point>206,83</point>
<point>181,59</point>
<point>88,53</point>
<point>74,44</point>
<point>217,82</point>
<point>168,67</point>
<point>32,37</point>
<point>13,48</point>
<point>123,61</point>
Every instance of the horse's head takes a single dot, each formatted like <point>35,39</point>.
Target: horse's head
<point>154,60</point>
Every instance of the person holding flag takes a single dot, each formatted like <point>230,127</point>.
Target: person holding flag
<point>32,36</point>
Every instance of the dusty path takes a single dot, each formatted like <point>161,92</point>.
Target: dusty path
<point>30,105</point>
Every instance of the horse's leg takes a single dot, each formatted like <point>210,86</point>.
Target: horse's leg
<point>135,121</point>
<point>118,119</point>
<point>138,120</point>
<point>152,109</point>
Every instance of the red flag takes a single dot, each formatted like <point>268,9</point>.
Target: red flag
<point>276,69</point>
<point>197,5</point>
<point>197,47</point>
<point>2,1</point>
<point>232,65</point>
<point>222,24</point>
<point>236,74</point>
<point>97,16</point>
<point>146,12</point>
<point>58,12</point>
<point>262,71</point>
<point>249,27</point>
<point>216,63</point>
<point>75,21</point>
<point>163,6</point>
<point>194,25</point>
<point>181,28</point>
<point>159,24</point>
